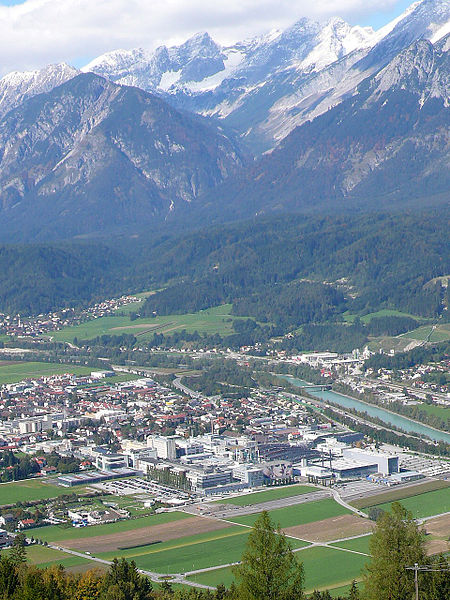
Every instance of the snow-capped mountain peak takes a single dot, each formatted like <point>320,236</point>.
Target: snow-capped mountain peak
<point>17,86</point>
<point>337,39</point>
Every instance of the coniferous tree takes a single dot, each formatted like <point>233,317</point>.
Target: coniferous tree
<point>18,552</point>
<point>269,570</point>
<point>397,543</point>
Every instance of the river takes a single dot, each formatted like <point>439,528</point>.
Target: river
<point>407,425</point>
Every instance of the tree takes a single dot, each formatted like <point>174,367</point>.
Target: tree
<point>397,543</point>
<point>9,577</point>
<point>123,582</point>
<point>18,552</point>
<point>269,569</point>
<point>88,586</point>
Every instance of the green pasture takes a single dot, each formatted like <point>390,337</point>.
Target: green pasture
<point>212,320</point>
<point>55,533</point>
<point>13,372</point>
<point>46,557</point>
<point>29,490</point>
<point>359,544</point>
<point>441,333</point>
<point>436,410</point>
<point>385,312</point>
<point>299,514</point>
<point>324,568</point>
<point>267,495</point>
<point>392,495</point>
<point>424,505</point>
<point>192,552</point>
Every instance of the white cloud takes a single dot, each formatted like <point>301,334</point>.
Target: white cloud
<point>38,32</point>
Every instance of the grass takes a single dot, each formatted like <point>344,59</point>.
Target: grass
<point>436,410</point>
<point>192,552</point>
<point>425,505</point>
<point>54,533</point>
<point>393,495</point>
<point>31,489</point>
<point>324,568</point>
<point>360,544</point>
<point>46,557</point>
<point>299,514</point>
<point>267,495</point>
<point>18,371</point>
<point>385,312</point>
<point>212,320</point>
<point>440,334</point>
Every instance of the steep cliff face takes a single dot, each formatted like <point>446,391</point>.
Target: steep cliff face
<point>91,155</point>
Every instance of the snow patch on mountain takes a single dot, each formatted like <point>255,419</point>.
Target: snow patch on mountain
<point>439,32</point>
<point>336,40</point>
<point>18,86</point>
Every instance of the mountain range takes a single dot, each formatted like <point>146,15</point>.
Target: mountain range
<point>321,116</point>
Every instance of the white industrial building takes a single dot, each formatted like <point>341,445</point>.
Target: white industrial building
<point>165,446</point>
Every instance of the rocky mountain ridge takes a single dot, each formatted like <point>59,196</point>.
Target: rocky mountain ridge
<point>263,87</point>
<point>90,156</point>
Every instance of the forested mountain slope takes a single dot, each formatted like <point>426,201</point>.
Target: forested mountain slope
<point>285,269</point>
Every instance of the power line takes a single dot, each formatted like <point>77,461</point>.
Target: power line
<point>426,569</point>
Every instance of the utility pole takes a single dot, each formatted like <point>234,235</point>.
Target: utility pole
<point>416,580</point>
<point>428,568</point>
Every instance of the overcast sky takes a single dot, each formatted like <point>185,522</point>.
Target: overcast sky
<point>38,32</point>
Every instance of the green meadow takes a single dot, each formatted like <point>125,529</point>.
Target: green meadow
<point>213,320</point>
<point>324,568</point>
<point>424,505</point>
<point>299,514</point>
<point>191,552</point>
<point>55,533</point>
<point>267,495</point>
<point>30,489</point>
<point>13,372</point>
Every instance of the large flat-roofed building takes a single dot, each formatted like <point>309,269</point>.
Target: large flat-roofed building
<point>201,480</point>
<point>386,463</point>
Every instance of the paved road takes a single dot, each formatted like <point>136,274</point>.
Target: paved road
<point>156,577</point>
<point>232,510</point>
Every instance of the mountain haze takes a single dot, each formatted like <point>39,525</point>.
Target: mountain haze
<point>91,156</point>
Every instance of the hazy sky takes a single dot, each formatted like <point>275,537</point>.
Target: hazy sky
<point>38,32</point>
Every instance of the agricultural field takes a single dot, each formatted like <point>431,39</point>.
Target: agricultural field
<point>437,534</point>
<point>359,544</point>
<point>399,494</point>
<point>341,568</point>
<point>29,490</point>
<point>425,505</point>
<point>212,320</point>
<point>192,552</point>
<point>56,533</point>
<point>13,372</point>
<point>267,495</point>
<point>150,535</point>
<point>46,557</point>
<point>386,312</point>
<point>333,528</point>
<point>430,333</point>
<point>299,514</point>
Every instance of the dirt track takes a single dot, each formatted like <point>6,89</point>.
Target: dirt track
<point>334,528</point>
<point>145,535</point>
